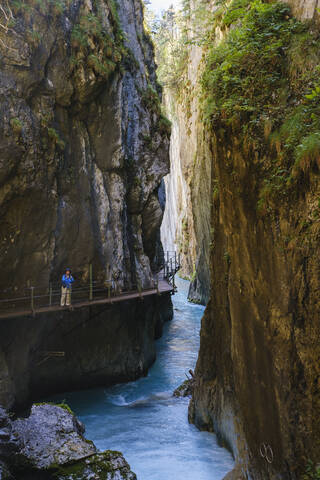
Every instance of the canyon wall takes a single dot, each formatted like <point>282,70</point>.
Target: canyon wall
<point>186,222</point>
<point>83,150</point>
<point>257,375</point>
<point>101,345</point>
<point>84,146</point>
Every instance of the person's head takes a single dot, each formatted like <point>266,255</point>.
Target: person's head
<point>68,271</point>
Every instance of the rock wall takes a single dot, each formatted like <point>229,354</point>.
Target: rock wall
<point>102,345</point>
<point>186,222</point>
<point>84,148</point>
<point>257,376</point>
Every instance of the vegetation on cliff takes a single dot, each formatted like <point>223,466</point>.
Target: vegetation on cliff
<point>259,342</point>
<point>262,81</point>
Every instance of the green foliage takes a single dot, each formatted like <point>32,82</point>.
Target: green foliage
<point>261,84</point>
<point>227,258</point>
<point>235,11</point>
<point>16,124</point>
<point>171,48</point>
<point>164,124</point>
<point>56,7</point>
<point>312,471</point>
<point>33,37</point>
<point>151,100</point>
<point>95,45</point>
<point>54,135</point>
<point>243,70</point>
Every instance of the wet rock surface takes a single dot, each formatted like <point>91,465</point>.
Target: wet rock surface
<point>84,148</point>
<point>50,435</point>
<point>49,445</point>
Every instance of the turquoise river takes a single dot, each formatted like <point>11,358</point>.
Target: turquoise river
<point>144,421</point>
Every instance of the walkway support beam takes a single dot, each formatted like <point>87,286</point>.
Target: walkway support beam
<point>32,298</point>
<point>91,283</point>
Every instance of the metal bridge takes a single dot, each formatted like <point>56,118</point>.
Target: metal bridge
<point>42,299</point>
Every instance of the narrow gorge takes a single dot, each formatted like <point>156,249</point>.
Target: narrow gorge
<point>135,144</point>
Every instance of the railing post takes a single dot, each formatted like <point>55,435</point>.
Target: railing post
<point>171,268</point>
<point>50,294</point>
<point>90,279</point>
<point>175,261</point>
<point>32,298</point>
<point>158,291</point>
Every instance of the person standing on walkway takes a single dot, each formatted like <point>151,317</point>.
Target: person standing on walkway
<point>66,285</point>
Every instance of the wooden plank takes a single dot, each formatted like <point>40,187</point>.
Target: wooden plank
<point>163,287</point>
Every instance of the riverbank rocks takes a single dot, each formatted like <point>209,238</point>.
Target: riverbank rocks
<point>49,445</point>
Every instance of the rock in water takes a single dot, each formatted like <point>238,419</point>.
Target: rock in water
<point>185,389</point>
<point>49,445</point>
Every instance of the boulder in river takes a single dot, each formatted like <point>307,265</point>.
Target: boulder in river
<point>185,389</point>
<point>49,445</point>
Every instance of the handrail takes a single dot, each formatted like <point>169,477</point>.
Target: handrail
<point>49,295</point>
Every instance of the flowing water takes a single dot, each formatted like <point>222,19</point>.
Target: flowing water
<point>144,421</point>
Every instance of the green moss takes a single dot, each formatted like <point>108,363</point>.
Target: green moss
<point>63,405</point>
<point>227,258</point>
<point>55,7</point>
<point>164,124</point>
<point>94,45</point>
<point>151,101</point>
<point>55,137</point>
<point>312,471</point>
<point>99,464</point>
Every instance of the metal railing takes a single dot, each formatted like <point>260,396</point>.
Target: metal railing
<point>39,297</point>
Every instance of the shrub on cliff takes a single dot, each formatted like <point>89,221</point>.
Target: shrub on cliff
<point>262,82</point>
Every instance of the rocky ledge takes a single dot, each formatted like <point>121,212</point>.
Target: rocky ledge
<point>49,445</point>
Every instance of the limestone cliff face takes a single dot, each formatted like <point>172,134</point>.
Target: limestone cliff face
<point>257,376</point>
<point>83,150</point>
<point>186,222</point>
<point>83,144</point>
<point>305,9</point>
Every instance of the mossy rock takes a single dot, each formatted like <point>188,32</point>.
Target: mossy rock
<point>105,465</point>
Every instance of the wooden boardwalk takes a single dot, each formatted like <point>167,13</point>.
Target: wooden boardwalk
<point>163,287</point>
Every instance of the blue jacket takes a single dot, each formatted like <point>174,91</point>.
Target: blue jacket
<point>67,281</point>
